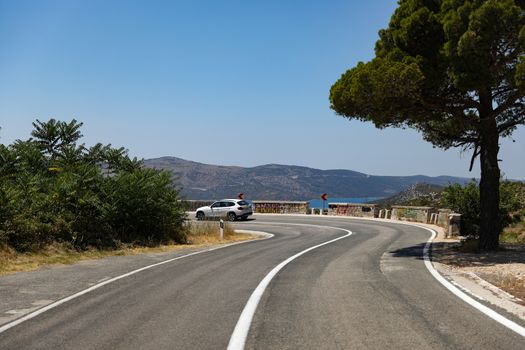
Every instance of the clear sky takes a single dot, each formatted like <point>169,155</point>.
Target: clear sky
<point>222,82</point>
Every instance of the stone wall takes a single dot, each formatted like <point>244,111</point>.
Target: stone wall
<point>415,214</point>
<point>280,207</point>
<point>443,218</point>
<point>353,209</point>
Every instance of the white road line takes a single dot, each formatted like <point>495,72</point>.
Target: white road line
<point>98,285</point>
<point>240,333</point>
<point>428,263</point>
<point>456,291</point>
<point>484,309</point>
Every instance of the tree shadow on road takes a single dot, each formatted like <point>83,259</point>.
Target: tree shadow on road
<point>415,251</point>
<point>450,253</point>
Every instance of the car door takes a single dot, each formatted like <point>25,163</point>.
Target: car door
<point>216,209</point>
<point>229,206</point>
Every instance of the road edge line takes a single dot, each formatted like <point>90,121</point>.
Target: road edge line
<point>53,305</point>
<point>428,264</point>
<point>242,328</point>
<point>463,296</point>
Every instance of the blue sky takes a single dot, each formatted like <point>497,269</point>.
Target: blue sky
<point>222,82</point>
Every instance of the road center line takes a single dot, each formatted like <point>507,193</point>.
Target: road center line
<point>455,290</point>
<point>240,333</point>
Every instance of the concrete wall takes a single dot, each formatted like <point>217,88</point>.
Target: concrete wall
<point>443,218</point>
<point>409,213</point>
<point>450,221</point>
<point>280,207</point>
<point>353,209</point>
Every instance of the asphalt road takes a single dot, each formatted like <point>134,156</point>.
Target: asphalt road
<point>370,290</point>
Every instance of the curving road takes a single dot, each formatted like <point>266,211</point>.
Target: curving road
<point>369,290</point>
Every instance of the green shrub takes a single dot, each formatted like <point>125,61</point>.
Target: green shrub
<point>55,190</point>
<point>465,200</point>
<point>142,206</point>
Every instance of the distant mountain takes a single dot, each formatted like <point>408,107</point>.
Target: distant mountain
<point>284,182</point>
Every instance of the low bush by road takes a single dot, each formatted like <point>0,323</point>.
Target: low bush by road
<point>198,234</point>
<point>55,190</point>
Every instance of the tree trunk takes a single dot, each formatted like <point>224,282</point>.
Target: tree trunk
<point>490,225</point>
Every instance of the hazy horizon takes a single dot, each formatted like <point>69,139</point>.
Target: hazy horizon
<point>299,165</point>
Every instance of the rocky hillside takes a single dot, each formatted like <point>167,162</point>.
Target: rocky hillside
<point>421,194</point>
<point>283,182</point>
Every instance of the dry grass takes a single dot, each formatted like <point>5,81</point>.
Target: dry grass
<point>12,261</point>
<point>199,235</point>
<point>510,283</point>
<point>504,268</point>
<point>207,232</point>
<point>514,233</point>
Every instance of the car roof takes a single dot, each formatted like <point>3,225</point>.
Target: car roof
<point>229,199</point>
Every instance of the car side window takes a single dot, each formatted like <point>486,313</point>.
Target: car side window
<point>230,204</point>
<point>216,205</point>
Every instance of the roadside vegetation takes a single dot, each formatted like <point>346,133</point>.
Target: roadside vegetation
<point>62,202</point>
<point>208,232</point>
<point>464,199</point>
<point>198,234</point>
<point>55,190</point>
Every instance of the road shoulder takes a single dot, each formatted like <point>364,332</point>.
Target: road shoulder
<point>26,292</point>
<point>473,273</point>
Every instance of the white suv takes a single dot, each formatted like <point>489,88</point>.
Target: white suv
<point>232,209</point>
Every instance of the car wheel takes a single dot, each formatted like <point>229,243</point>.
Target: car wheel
<point>232,217</point>
<point>200,215</point>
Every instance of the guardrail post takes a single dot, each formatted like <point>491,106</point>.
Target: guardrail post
<point>221,226</point>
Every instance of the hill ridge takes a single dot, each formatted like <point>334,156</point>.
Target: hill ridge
<point>284,182</point>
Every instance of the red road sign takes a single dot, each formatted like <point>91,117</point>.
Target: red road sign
<point>241,195</point>
<point>324,196</point>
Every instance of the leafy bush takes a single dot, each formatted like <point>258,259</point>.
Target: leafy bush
<point>53,189</point>
<point>465,200</point>
<point>141,206</point>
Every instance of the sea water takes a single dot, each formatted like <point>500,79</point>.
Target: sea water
<point>318,203</point>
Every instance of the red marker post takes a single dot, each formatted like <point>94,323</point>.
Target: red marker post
<point>324,197</point>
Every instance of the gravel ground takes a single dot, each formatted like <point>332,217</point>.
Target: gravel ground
<point>504,269</point>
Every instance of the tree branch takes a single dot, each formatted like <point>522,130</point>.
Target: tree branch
<point>508,103</point>
<point>475,154</point>
<point>510,124</point>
